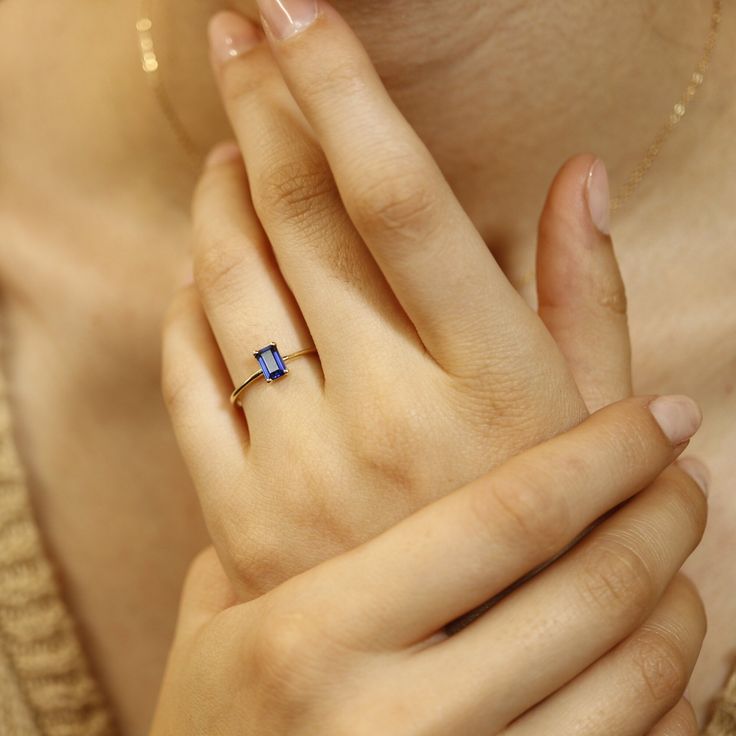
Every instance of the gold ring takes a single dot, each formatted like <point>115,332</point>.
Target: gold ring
<point>272,367</point>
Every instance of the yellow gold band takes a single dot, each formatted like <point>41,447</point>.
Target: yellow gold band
<point>238,392</point>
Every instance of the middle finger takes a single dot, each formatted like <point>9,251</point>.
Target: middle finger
<point>340,290</point>
<point>437,263</point>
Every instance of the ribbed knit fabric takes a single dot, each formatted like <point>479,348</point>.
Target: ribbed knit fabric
<point>45,685</point>
<point>723,722</point>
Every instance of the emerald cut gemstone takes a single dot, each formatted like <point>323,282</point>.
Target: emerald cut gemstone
<point>271,362</point>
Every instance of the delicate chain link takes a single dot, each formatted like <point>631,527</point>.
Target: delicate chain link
<point>697,78</point>
<point>151,66</point>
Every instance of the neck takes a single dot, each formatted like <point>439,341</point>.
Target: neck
<point>500,91</point>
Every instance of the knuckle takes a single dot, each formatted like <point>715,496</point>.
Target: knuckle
<point>526,512</point>
<point>283,640</point>
<point>662,663</point>
<point>338,80</point>
<point>290,654</point>
<point>281,648</point>
<point>397,202</point>
<point>616,582</point>
<point>295,191</point>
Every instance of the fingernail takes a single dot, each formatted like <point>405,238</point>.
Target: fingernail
<point>679,417</point>
<point>222,153</point>
<point>599,197</point>
<point>286,18</point>
<point>697,471</point>
<point>232,35</point>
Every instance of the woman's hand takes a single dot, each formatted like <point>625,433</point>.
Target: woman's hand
<point>341,231</point>
<point>601,642</point>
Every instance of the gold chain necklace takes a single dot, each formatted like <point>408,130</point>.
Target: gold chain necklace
<point>151,66</point>
<point>697,78</point>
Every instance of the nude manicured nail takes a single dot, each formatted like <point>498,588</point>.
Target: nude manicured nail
<point>599,197</point>
<point>679,417</point>
<point>232,35</point>
<point>286,18</point>
<point>697,471</point>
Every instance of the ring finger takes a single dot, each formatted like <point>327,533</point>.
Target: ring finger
<point>246,300</point>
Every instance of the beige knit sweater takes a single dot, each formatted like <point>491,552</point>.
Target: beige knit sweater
<point>46,688</point>
<point>45,685</point>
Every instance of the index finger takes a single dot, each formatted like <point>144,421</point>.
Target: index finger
<point>427,247</point>
<point>470,546</point>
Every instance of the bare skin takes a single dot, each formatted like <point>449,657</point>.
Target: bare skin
<point>79,234</point>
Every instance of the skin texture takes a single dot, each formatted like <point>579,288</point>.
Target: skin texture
<point>416,288</point>
<point>101,264</point>
<point>285,651</point>
<point>371,661</point>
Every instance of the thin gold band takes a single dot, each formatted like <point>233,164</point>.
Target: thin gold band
<point>235,395</point>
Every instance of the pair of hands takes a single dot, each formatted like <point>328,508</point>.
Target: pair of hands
<point>432,372</point>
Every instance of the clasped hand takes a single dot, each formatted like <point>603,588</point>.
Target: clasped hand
<point>340,231</point>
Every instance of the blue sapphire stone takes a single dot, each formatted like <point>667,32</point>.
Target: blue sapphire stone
<point>271,362</point>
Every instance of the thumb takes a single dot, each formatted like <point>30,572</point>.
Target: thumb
<point>581,294</point>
